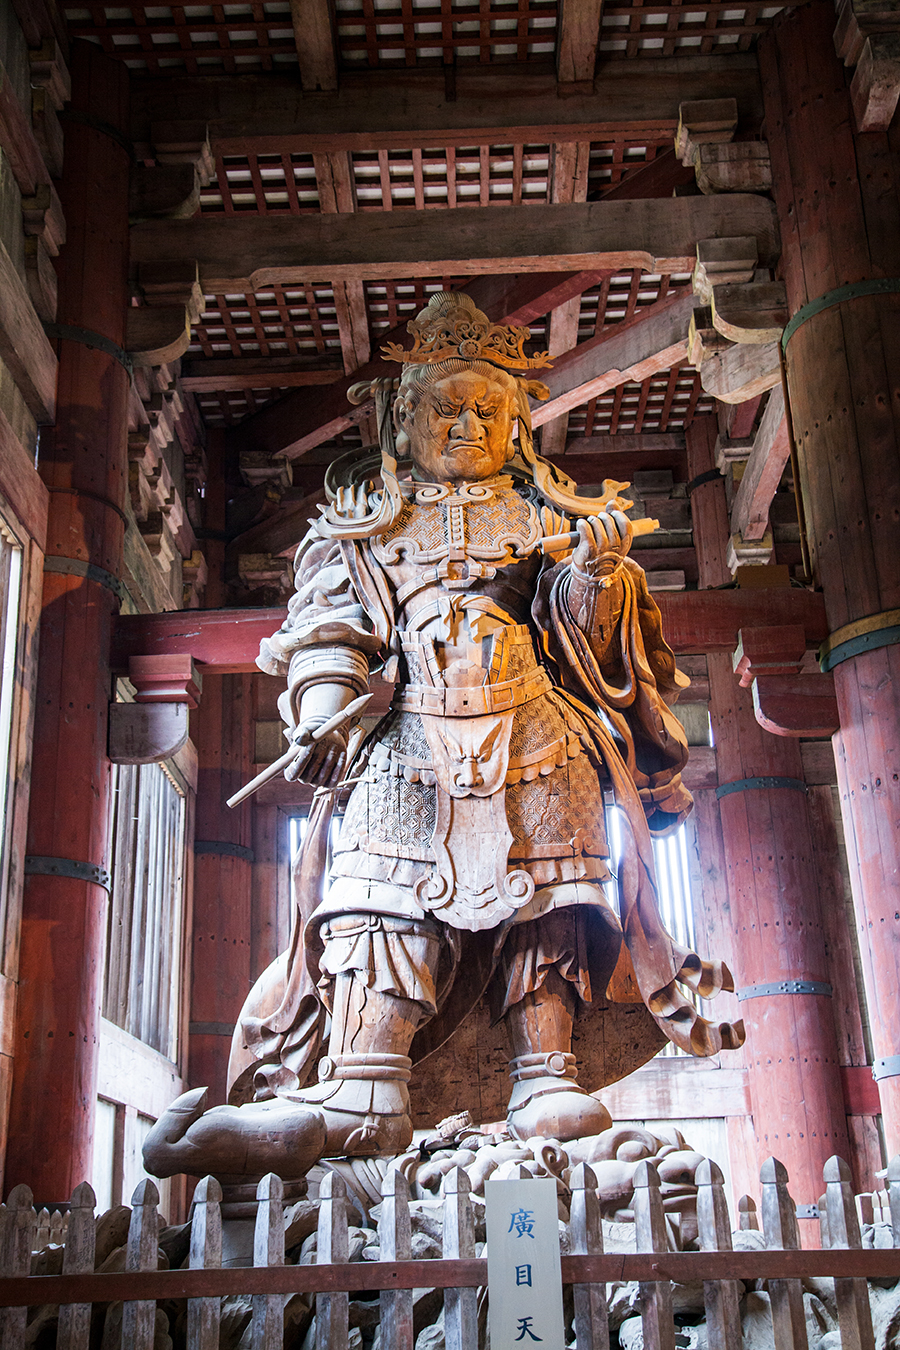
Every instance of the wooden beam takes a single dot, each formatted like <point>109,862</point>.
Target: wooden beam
<point>23,344</point>
<point>337,195</point>
<point>658,178</point>
<point>222,641</point>
<point>667,442</point>
<point>630,351</point>
<point>314,38</point>
<point>408,109</point>
<point>21,487</point>
<point>18,142</point>
<point>762,472</point>
<point>246,253</point>
<point>226,641</point>
<point>255,372</point>
<point>577,34</point>
<point>281,532</point>
<point>569,184</point>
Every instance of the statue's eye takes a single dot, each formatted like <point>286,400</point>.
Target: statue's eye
<point>490,411</point>
<point>446,410</point>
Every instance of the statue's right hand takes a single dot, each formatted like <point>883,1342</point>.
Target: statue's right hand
<point>318,762</point>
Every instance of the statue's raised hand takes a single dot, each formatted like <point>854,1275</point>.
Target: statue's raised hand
<point>604,541</point>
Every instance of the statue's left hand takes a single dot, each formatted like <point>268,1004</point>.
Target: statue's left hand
<point>604,542</point>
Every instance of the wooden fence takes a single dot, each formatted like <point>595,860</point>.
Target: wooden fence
<point>202,1283</point>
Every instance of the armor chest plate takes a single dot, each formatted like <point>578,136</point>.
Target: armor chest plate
<point>458,536</point>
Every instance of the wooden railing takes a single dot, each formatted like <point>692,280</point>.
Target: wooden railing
<point>65,1300</point>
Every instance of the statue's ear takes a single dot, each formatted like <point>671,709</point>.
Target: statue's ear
<point>537,389</point>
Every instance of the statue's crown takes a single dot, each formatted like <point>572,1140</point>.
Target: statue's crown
<point>452,325</point>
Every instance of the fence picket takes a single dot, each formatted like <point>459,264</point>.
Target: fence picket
<point>824,1232</point>
<point>75,1318</point>
<point>268,1250</point>
<point>852,1295</point>
<point>332,1310</point>
<point>780,1228</point>
<point>203,1314</point>
<point>893,1184</point>
<point>748,1219</point>
<point>17,1225</point>
<point>460,1305</point>
<point>591,1321</point>
<point>141,1253</point>
<point>394,1239</point>
<point>720,1297</point>
<point>650,1232</point>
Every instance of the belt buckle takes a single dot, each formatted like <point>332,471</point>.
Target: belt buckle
<point>502,699</point>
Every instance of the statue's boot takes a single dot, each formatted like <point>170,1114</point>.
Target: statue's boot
<point>234,1142</point>
<point>362,1093</point>
<point>361,1104</point>
<point>545,1099</point>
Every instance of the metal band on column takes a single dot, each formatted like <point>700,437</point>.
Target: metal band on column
<point>224,849</point>
<point>863,635</point>
<point>786,987</point>
<point>38,866</point>
<point>759,784</point>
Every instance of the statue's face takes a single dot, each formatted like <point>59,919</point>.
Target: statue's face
<point>460,430</point>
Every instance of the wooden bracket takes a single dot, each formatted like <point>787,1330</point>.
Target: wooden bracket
<point>796,705</point>
<point>723,262</point>
<point>785,702</point>
<point>867,36</point>
<point>704,122</point>
<point>775,650</point>
<point>141,733</point>
<point>742,166</point>
<point>755,312</point>
<point>165,679</point>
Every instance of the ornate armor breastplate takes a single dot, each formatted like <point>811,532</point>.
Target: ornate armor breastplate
<point>445,541</point>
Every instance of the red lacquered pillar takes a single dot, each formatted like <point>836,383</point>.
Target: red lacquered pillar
<point>839,209</point>
<point>83,461</point>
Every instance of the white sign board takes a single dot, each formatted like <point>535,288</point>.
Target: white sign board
<point>524,1277</point>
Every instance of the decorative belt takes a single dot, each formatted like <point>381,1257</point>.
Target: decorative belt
<point>475,700</point>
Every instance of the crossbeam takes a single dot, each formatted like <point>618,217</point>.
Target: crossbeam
<point>628,352</point>
<point>226,641</point>
<point>646,1267</point>
<point>409,109</point>
<point>247,253</point>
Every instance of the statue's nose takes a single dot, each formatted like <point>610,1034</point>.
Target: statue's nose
<point>468,425</point>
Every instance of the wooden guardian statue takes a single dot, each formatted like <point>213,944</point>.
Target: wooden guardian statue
<point>530,676</point>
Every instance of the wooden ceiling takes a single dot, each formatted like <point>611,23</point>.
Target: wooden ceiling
<point>239,38</point>
<point>408,111</point>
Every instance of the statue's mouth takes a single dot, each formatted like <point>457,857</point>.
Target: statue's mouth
<point>464,445</point>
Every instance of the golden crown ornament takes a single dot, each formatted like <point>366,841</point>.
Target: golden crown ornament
<point>460,329</point>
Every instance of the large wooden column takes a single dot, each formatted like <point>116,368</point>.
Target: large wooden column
<point>838,195</point>
<point>83,461</point>
<point>221,938</point>
<point>774,904</point>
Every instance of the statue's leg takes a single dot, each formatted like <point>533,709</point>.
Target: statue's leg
<point>381,988</point>
<point>544,972</point>
<point>379,975</point>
